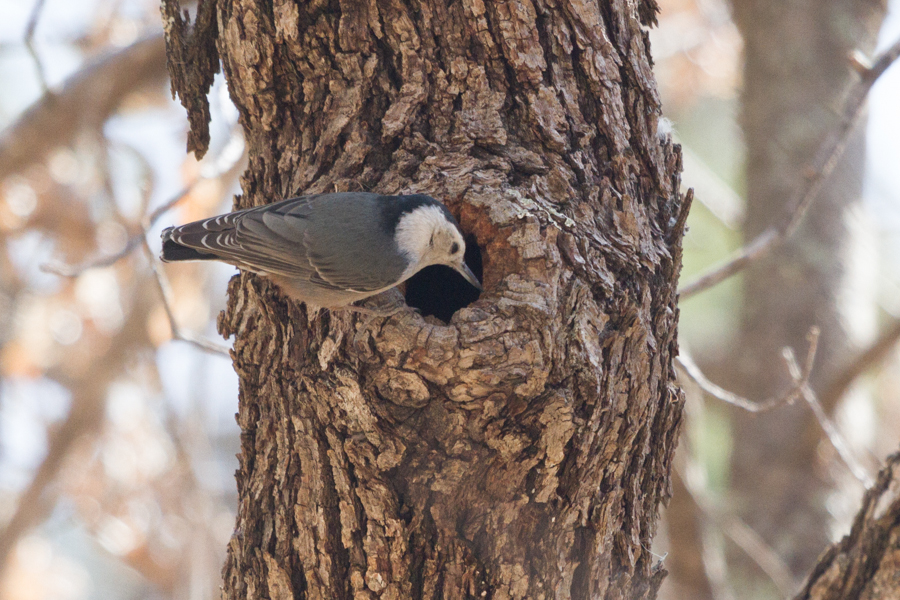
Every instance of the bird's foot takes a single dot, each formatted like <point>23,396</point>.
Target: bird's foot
<point>376,312</point>
<point>395,305</point>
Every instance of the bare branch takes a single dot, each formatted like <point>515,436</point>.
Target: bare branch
<point>832,150</point>
<point>693,371</point>
<point>86,100</point>
<point>831,431</point>
<point>29,43</point>
<point>165,291</point>
<point>826,158</point>
<point>64,270</point>
<point>228,169</point>
<point>801,388</point>
<point>743,536</point>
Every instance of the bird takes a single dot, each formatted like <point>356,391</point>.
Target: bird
<point>329,250</point>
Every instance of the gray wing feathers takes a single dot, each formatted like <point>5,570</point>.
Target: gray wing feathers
<point>352,252</point>
<point>329,240</point>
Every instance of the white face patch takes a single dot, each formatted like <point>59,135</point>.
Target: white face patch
<point>426,237</point>
<point>419,232</point>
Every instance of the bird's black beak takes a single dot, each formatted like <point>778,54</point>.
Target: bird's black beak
<point>463,269</point>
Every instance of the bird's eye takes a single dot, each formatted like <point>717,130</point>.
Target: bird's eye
<point>454,248</point>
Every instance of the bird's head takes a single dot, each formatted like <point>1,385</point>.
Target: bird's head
<point>429,235</point>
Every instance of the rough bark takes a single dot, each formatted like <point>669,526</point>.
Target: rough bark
<point>795,74</point>
<point>865,565</point>
<point>522,449</point>
<point>193,61</point>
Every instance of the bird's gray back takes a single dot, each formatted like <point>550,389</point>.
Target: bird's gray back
<point>346,241</point>
<point>326,243</point>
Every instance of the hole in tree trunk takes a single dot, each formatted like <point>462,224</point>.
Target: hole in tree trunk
<point>440,291</point>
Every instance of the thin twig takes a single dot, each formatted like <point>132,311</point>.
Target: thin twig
<point>224,171</point>
<point>800,389</point>
<point>64,270</point>
<point>29,43</point>
<point>743,536</point>
<point>823,164</point>
<point>165,291</point>
<point>828,427</point>
<point>693,371</point>
<point>754,546</point>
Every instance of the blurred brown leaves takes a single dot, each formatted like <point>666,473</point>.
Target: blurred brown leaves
<point>118,478</point>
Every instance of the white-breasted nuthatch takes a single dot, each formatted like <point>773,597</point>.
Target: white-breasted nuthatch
<point>329,250</point>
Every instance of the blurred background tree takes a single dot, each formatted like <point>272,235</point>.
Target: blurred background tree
<point>117,441</point>
<point>760,495</point>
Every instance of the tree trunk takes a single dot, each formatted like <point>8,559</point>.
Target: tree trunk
<point>796,73</point>
<point>522,449</point>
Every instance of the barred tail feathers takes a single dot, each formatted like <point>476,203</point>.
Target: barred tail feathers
<point>173,251</point>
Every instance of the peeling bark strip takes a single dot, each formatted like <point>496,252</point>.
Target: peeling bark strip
<point>866,563</point>
<point>523,449</point>
<point>193,61</point>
